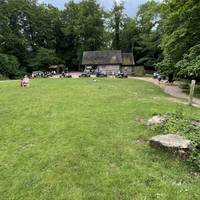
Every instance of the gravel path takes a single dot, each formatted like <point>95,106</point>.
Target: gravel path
<point>172,90</point>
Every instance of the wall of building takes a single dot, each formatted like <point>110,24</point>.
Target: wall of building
<point>109,69</point>
<point>139,70</point>
<point>127,69</point>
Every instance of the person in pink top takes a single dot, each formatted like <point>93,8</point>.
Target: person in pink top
<point>25,82</point>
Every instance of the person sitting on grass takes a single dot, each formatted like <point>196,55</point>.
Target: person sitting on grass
<point>25,82</point>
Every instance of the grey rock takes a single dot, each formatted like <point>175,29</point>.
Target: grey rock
<point>172,142</point>
<point>196,123</point>
<point>157,119</point>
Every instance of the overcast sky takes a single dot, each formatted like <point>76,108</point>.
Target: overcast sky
<point>131,6</point>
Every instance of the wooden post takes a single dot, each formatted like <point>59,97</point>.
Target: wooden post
<point>192,86</point>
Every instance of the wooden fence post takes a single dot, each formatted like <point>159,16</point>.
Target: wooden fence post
<point>192,86</point>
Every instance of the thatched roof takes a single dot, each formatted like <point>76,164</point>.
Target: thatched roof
<point>128,59</point>
<point>102,57</point>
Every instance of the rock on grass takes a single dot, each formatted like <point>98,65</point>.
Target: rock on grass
<point>157,119</point>
<point>173,143</point>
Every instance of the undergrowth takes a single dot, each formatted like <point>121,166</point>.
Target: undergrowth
<point>178,123</point>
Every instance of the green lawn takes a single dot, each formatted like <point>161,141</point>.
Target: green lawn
<point>80,139</point>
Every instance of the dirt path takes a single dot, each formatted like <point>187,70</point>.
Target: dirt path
<point>172,90</point>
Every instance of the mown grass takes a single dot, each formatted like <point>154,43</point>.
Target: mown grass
<point>80,139</point>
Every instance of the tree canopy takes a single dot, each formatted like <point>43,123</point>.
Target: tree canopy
<point>180,33</point>
<point>34,36</point>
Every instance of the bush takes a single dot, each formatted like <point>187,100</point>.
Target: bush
<point>197,92</point>
<point>166,67</point>
<point>185,86</point>
<point>179,124</point>
<point>9,66</point>
<point>189,66</point>
<point>43,59</point>
<point>2,77</point>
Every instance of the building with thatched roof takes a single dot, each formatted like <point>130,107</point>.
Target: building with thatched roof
<point>109,61</point>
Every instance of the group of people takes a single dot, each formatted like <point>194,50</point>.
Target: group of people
<point>45,74</point>
<point>159,77</point>
<point>49,74</point>
<point>25,81</point>
<point>65,74</point>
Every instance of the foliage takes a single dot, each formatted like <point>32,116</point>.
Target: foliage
<point>148,24</point>
<point>9,66</point>
<point>161,34</point>
<point>26,27</point>
<point>185,86</point>
<point>177,123</point>
<point>82,28</point>
<point>43,59</point>
<point>128,35</point>
<point>189,66</point>
<point>116,23</point>
<point>3,77</point>
<point>180,32</point>
<point>166,66</point>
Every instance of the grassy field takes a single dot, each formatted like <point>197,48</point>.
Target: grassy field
<point>80,139</point>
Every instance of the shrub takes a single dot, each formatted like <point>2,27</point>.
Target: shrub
<point>185,86</point>
<point>177,123</point>
<point>9,66</point>
<point>2,77</point>
<point>189,66</point>
<point>43,59</point>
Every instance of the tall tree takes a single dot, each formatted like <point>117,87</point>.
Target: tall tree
<point>116,23</point>
<point>71,32</point>
<point>9,66</point>
<point>181,31</point>
<point>26,27</point>
<point>128,35</point>
<point>148,24</point>
<point>83,28</point>
<point>43,59</point>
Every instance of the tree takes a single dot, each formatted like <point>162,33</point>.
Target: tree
<point>25,27</point>
<point>38,35</point>
<point>181,31</point>
<point>116,23</point>
<point>128,35</point>
<point>148,24</point>
<point>83,29</point>
<point>92,24</point>
<point>9,66</point>
<point>13,29</point>
<point>189,66</point>
<point>43,59</point>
